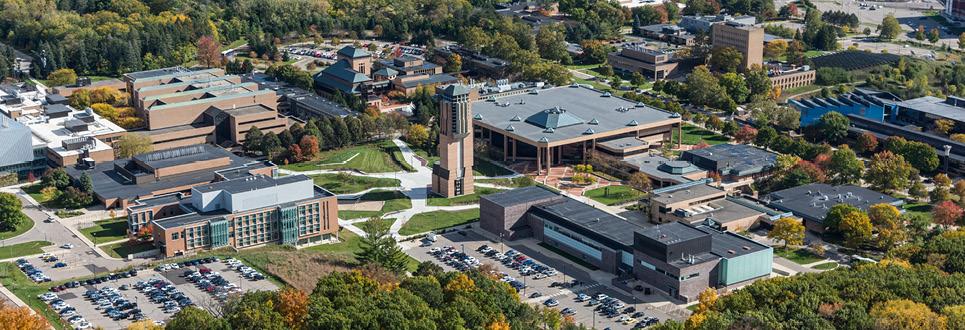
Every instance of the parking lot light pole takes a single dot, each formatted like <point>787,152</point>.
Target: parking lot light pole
<point>463,248</point>
<point>500,243</point>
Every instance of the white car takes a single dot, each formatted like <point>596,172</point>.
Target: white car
<point>47,296</point>
<point>83,325</point>
<point>67,246</point>
<point>77,321</point>
<point>582,297</point>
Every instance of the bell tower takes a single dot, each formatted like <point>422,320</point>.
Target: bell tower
<point>452,175</point>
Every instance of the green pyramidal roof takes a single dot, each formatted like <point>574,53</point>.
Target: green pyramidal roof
<point>554,118</point>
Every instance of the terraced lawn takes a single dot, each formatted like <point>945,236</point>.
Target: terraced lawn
<point>614,195</point>
<point>374,157</point>
<point>23,227</point>
<point>23,249</point>
<point>122,249</point>
<point>462,200</point>
<point>435,220</point>
<point>692,135</point>
<point>923,209</point>
<point>348,184</point>
<point>106,230</point>
<point>523,181</point>
<point>800,256</point>
<point>394,201</point>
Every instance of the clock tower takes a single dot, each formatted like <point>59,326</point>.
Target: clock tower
<point>452,175</point>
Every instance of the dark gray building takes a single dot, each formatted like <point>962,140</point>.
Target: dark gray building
<point>811,202</point>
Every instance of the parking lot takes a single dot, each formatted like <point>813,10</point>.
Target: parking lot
<point>154,294</point>
<point>564,286</point>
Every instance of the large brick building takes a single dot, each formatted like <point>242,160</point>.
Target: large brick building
<point>241,212</point>
<point>747,39</point>
<point>184,107</point>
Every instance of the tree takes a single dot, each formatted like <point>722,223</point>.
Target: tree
<point>293,307</point>
<point>11,214</point>
<point>856,228</point>
<point>56,178</point>
<point>944,125</point>
<point>309,146</point>
<point>735,86</point>
<point>380,248</point>
<point>453,63</point>
<point>637,79</point>
<point>703,88</point>
<point>132,144</point>
<point>208,52</point>
<point>961,41</point>
<point>193,318</point>
<point>640,181</point>
<point>867,142</point>
<point>271,145</point>
<point>946,213</point>
<point>726,59</point>
<point>888,172</point>
<point>844,167</point>
<point>920,155</point>
<point>253,139</point>
<point>594,51</point>
<point>833,126</point>
<point>889,28</point>
<point>764,136</point>
<point>775,49</point>
<point>758,82</point>
<point>746,134</point>
<point>955,315</point>
<point>74,198</point>
<point>920,33</point>
<point>551,43</point>
<point>20,318</point>
<point>62,77</point>
<point>144,325</point>
<point>918,191</point>
<point>428,268</point>
<point>417,135</point>
<point>788,230</point>
<point>905,314</point>
<point>85,183</point>
<point>934,35</point>
<point>836,214</point>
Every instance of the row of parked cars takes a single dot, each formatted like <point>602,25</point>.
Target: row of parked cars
<point>189,263</point>
<point>211,282</point>
<point>115,306</point>
<point>165,294</point>
<point>611,307</point>
<point>32,272</point>
<point>516,260</point>
<point>66,311</point>
<point>94,281</point>
<point>246,272</point>
<point>458,260</point>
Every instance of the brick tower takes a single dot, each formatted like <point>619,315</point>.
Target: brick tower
<point>452,175</point>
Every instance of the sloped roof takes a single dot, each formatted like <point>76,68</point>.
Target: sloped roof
<point>353,52</point>
<point>456,89</point>
<point>554,118</point>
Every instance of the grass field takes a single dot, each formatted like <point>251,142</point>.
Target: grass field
<point>614,195</point>
<point>372,158</point>
<point>486,168</point>
<point>923,209</point>
<point>347,184</point>
<point>425,155</point>
<point>24,226</point>
<point>394,201</point>
<point>106,230</point>
<point>523,181</point>
<point>23,249</point>
<point>430,221</point>
<point>122,249</point>
<point>462,200</point>
<point>800,256</point>
<point>64,214</point>
<point>826,266</point>
<point>692,135</point>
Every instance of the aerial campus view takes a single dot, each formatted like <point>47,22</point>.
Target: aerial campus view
<point>452,164</point>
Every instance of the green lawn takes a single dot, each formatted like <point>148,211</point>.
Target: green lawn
<point>425,155</point>
<point>519,182</point>
<point>348,184</point>
<point>122,249</point>
<point>693,135</point>
<point>394,201</point>
<point>23,249</point>
<point>106,230</point>
<point>23,227</point>
<point>800,256</point>
<point>486,168</point>
<point>398,158</point>
<point>923,209</point>
<point>462,200</point>
<point>430,221</point>
<point>372,158</point>
<point>349,245</point>
<point>64,214</point>
<point>571,257</point>
<point>234,44</point>
<point>799,90</point>
<point>826,266</point>
<point>614,195</point>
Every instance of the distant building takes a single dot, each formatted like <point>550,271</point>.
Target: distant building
<point>866,103</point>
<point>811,202</point>
<point>651,63</point>
<point>71,137</point>
<point>117,183</point>
<point>670,33</point>
<point>747,39</point>
<point>300,102</point>
<point>476,63</point>
<point>240,213</point>
<point>710,257</point>
<point>18,154</point>
<point>955,11</point>
<point>738,164</point>
<point>697,202</point>
<point>20,100</point>
<point>786,77</point>
<point>661,171</point>
<point>703,24</point>
<point>409,65</point>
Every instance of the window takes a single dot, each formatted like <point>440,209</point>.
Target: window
<point>175,236</point>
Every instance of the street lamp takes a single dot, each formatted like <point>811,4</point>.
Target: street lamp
<point>500,243</point>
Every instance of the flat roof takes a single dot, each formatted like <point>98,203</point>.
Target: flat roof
<point>723,211</point>
<point>685,193</point>
<point>736,159</point>
<point>188,218</point>
<point>207,100</point>
<point>624,143</point>
<point>936,106</point>
<point>590,221</point>
<point>156,73</point>
<point>441,78</point>
<point>201,81</point>
<point>250,183</point>
<point>673,232</point>
<point>729,245</point>
<point>248,110</point>
<point>651,166</point>
<point>520,196</point>
<point>812,201</point>
<point>599,113</point>
<point>184,155</point>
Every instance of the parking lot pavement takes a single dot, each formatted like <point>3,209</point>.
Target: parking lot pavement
<point>87,308</point>
<point>567,272</point>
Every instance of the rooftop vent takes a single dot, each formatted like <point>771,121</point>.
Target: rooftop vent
<point>510,128</point>
<point>640,105</point>
<point>549,130</point>
<point>589,131</point>
<point>544,140</point>
<point>675,115</point>
<point>594,122</point>
<point>477,117</point>
<point>633,123</point>
<point>516,118</point>
<point>534,91</point>
<point>607,94</point>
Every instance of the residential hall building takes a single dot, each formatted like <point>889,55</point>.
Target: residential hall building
<point>677,258</point>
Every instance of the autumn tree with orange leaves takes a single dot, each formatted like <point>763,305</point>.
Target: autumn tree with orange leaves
<point>20,318</point>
